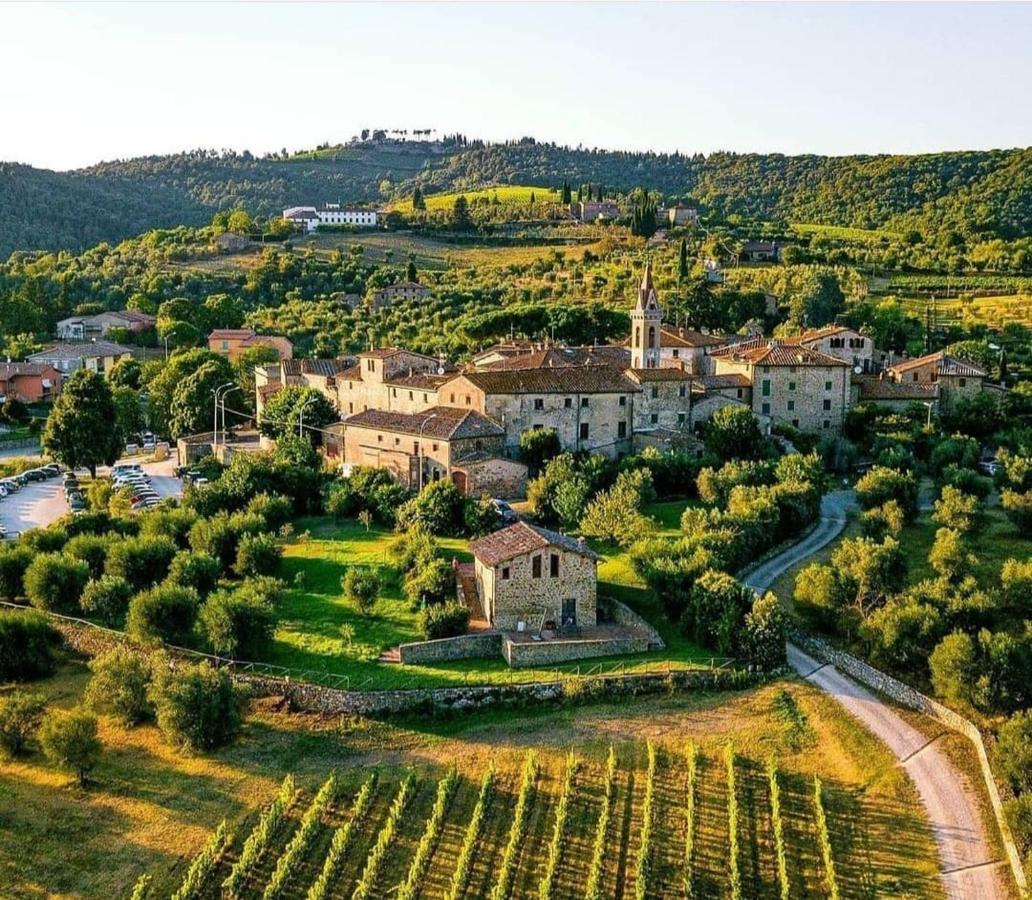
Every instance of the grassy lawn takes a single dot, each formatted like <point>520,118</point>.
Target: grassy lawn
<point>505,193</point>
<point>150,808</point>
<point>314,612</point>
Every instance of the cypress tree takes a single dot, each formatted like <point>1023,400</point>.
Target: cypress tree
<point>417,199</point>
<point>682,261</point>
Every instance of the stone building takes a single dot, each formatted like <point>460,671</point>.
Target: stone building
<point>852,347</point>
<point>791,384</point>
<point>664,401</point>
<point>954,378</point>
<point>535,578</point>
<point>440,442</point>
<point>589,407</point>
<point>403,290</point>
<point>96,356</point>
<point>390,379</point>
<point>231,342</point>
<point>646,322</point>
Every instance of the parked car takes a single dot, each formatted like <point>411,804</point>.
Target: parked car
<point>52,470</point>
<point>505,512</point>
<point>10,484</point>
<point>989,466</point>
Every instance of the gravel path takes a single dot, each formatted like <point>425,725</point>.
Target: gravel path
<point>970,869</point>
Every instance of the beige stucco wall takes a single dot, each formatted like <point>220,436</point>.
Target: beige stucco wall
<point>524,598</point>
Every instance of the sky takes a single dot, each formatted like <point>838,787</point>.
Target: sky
<point>84,82</point>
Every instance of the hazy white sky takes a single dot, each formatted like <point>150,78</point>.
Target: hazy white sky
<point>84,82</point>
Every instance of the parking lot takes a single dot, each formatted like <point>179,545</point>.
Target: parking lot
<point>38,504</point>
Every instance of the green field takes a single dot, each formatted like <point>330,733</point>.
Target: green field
<point>320,633</point>
<point>503,193</point>
<point>984,283</point>
<point>149,809</point>
<point>994,311</point>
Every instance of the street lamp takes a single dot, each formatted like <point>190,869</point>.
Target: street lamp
<point>422,425</point>
<point>235,387</point>
<point>301,413</point>
<point>215,428</point>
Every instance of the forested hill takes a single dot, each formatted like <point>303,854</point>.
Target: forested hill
<point>974,193</point>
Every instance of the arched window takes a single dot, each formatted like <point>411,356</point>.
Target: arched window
<point>652,337</point>
<point>637,336</point>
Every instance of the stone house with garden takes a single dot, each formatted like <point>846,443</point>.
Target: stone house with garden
<point>440,442</point>
<point>530,578</point>
<point>953,379</point>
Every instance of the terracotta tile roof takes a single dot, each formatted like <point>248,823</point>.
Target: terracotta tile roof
<point>442,422</point>
<point>945,365</point>
<point>13,370</point>
<point>684,337</point>
<point>736,344</point>
<point>522,538</point>
<point>560,380</point>
<point>79,350</point>
<point>770,352</point>
<point>731,380</point>
<point>326,367</point>
<point>561,357</point>
<point>816,334</point>
<point>240,334</point>
<point>419,381</point>
<point>664,373</point>
<point>874,388</point>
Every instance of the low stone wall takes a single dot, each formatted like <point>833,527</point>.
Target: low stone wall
<point>525,654</point>
<point>912,698</point>
<point>484,645</point>
<point>622,614</point>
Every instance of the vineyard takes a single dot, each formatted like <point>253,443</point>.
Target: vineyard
<point>641,820</point>
<point>983,283</point>
<point>994,311</point>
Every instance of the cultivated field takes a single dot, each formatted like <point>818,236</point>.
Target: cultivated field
<point>151,809</point>
<point>505,193</point>
<point>994,311</point>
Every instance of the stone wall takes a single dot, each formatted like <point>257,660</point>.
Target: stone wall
<point>536,654</point>
<point>484,645</point>
<point>494,477</point>
<point>907,696</point>
<point>622,614</point>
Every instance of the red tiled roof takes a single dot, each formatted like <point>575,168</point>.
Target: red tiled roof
<point>560,357</point>
<point>558,380</point>
<point>731,380</point>
<point>663,373</point>
<point>442,422</point>
<point>522,538</point>
<point>14,370</point>
<point>945,365</point>
<point>779,353</point>
<point>684,337</point>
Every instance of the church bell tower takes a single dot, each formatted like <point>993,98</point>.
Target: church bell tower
<point>646,319</point>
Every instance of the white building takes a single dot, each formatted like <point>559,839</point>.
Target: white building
<point>309,218</point>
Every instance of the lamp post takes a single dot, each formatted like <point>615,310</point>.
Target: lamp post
<point>301,414</point>
<point>422,425</point>
<point>235,387</point>
<point>215,427</point>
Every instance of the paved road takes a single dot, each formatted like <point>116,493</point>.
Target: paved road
<point>970,870</point>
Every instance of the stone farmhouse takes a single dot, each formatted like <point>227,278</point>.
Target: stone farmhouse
<point>85,328</point>
<point>402,290</point>
<point>951,378</point>
<point>682,215</point>
<point>528,577</point>
<point>308,218</point>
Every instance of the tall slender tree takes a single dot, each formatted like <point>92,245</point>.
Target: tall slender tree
<point>682,261</point>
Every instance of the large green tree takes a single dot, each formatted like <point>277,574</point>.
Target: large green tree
<point>83,427</point>
<point>162,386</point>
<point>283,411</point>
<point>193,401</point>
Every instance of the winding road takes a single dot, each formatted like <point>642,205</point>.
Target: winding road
<point>970,868</point>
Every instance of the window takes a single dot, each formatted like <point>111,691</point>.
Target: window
<point>505,573</point>
<point>766,409</point>
<point>739,393</point>
<point>351,407</point>
<point>452,398</point>
<point>539,403</point>
<point>654,418</point>
<point>791,385</point>
<point>766,387</point>
<point>584,402</point>
<point>827,424</point>
<point>379,439</point>
<point>623,401</point>
<point>584,431</point>
<point>469,400</point>
<point>535,567</point>
<point>791,405</point>
<point>795,423</point>
<point>415,447</point>
<point>568,402</point>
<point>410,396</point>
<point>426,399</point>
<point>637,336</point>
<point>792,370</point>
<point>680,419</point>
<point>682,391</point>
<point>963,382</point>
<point>394,392</point>
<point>915,376</point>
<point>652,337</point>
<point>766,370</point>
<point>655,393</point>
<point>434,446</point>
<point>225,345</point>
<point>827,385</point>
<point>370,366</point>
<point>397,441</point>
<point>553,565</point>
<point>621,429</point>
<point>827,405</point>
<point>677,354</point>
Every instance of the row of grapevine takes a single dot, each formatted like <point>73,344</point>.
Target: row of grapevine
<point>383,840</point>
<point>294,853</point>
<point>460,877</point>
<point>431,835</point>
<point>203,864</point>
<point>824,839</point>
<point>519,824</point>
<point>732,824</point>
<point>546,888</point>
<point>598,853</point>
<point>779,829</point>
<point>258,840</point>
<point>342,840</point>
<point>641,877</point>
<point>690,794</point>
<point>142,888</point>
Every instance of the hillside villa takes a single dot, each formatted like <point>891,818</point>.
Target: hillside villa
<point>231,342</point>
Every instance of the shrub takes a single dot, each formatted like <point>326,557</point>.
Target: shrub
<point>440,508</point>
<point>172,523</point>
<point>262,588</point>
<point>195,569</point>
<point>883,521</point>
<point>732,432</point>
<point>367,488</point>
<point>537,447</point>
<point>44,540</point>
<point>197,706</point>
<point>258,554</point>
<point>361,586</point>
<point>20,716</point>
<point>949,555</point>
<point>765,626</point>
<point>107,599</point>
<point>119,686</point>
<point>968,481</point>
<point>614,515</point>
<point>443,620</point>
<point>881,485</point>
<point>164,613</point>
<point>432,582</point>
<point>479,517</point>
<point>1014,751</point>
<point>54,582</point>
<point>1016,581</point>
<point>142,561</point>
<point>953,666</point>
<point>1019,813</point>
<point>69,740</point>
<point>958,451</point>
<point>274,509</point>
<point>91,549</point>
<point>14,560</point>
<point>219,536</point>
<point>237,625</point>
<point>413,548</point>
<point>715,612</point>
<point>1019,510</point>
<point>903,632</point>
<point>27,644</point>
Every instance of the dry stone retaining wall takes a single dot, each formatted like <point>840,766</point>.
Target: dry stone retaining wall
<point>485,645</point>
<point>914,699</point>
<point>525,654</point>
